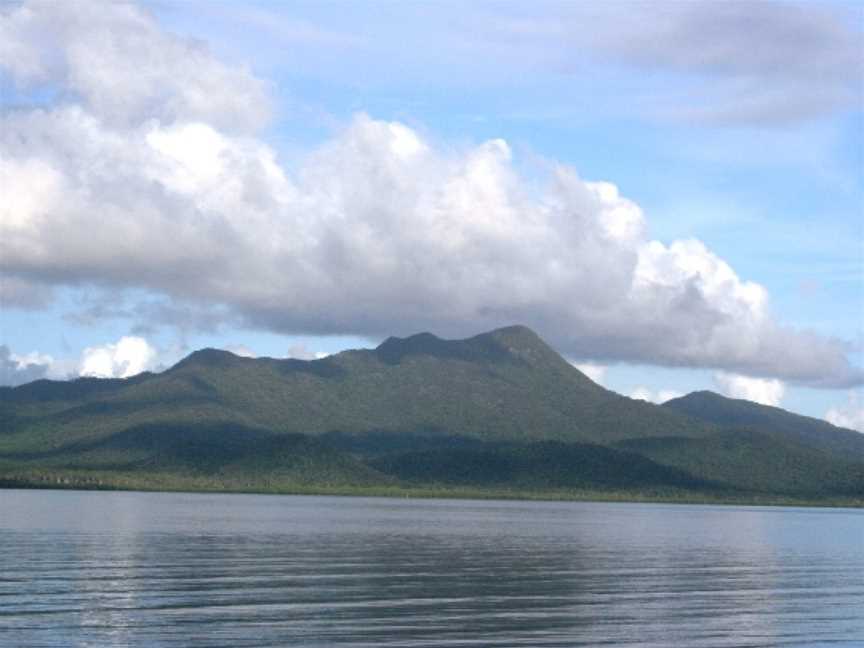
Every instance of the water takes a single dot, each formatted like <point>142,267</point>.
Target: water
<point>162,569</point>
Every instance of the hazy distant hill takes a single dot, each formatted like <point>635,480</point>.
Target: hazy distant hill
<point>815,433</point>
<point>500,409</point>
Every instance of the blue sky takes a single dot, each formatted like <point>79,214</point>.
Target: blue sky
<point>735,125</point>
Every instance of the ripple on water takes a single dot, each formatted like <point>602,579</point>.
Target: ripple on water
<point>135,569</point>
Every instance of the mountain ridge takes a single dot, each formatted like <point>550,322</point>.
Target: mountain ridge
<point>715,408</point>
<point>490,400</point>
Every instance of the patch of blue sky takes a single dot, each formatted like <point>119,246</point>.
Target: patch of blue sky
<point>14,95</point>
<point>78,318</point>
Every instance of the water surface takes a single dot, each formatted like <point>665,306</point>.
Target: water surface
<point>166,569</point>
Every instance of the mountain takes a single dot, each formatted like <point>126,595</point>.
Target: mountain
<point>504,385</point>
<point>499,410</point>
<point>730,412</point>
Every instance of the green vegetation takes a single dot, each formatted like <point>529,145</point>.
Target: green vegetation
<point>755,462</point>
<point>776,422</point>
<point>542,466</point>
<point>500,414</point>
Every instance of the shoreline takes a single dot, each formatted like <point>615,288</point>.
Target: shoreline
<point>210,486</point>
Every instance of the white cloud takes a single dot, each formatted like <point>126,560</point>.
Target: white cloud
<point>129,356</point>
<point>652,396</point>
<point>120,64</point>
<point>758,390</point>
<point>595,372</point>
<point>142,185</point>
<point>850,414</point>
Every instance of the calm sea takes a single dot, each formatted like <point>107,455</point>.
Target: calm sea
<point>160,569</point>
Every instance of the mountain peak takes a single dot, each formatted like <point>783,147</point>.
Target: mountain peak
<point>520,343</point>
<point>208,357</point>
<point>511,343</point>
<point>515,336</point>
<point>702,395</point>
<point>736,412</point>
<point>705,398</point>
<point>394,349</point>
<point>416,340</point>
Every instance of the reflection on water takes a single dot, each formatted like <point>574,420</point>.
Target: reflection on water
<point>136,569</point>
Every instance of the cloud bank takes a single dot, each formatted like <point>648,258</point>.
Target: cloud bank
<point>744,62</point>
<point>147,174</point>
<point>771,62</point>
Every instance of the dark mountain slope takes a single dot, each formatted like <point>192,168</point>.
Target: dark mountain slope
<point>537,466</point>
<point>755,461</point>
<point>245,457</point>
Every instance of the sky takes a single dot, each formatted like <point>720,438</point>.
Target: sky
<point>669,193</point>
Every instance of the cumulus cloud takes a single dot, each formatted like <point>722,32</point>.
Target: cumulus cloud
<point>129,356</point>
<point>116,60</point>
<point>19,368</point>
<point>652,396</point>
<point>380,231</point>
<point>850,414</point>
<point>766,392</point>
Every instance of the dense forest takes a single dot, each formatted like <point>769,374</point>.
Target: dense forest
<point>499,414</point>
